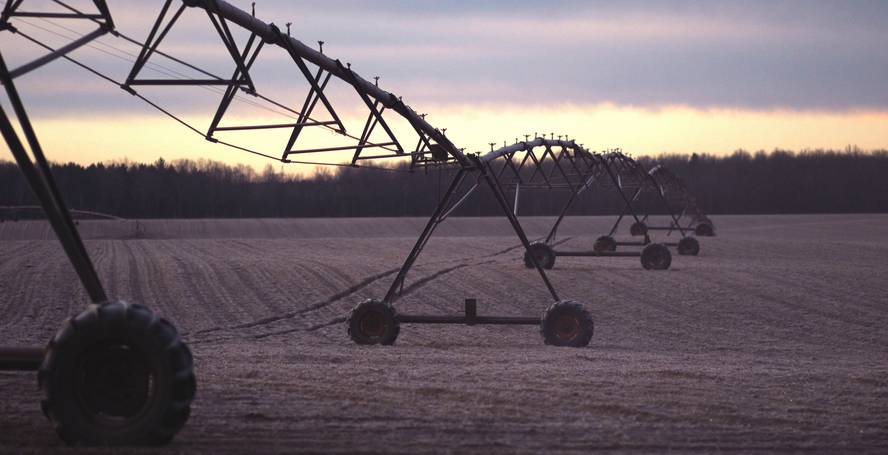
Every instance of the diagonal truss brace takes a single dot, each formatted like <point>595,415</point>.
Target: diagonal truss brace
<point>37,172</point>
<point>375,118</point>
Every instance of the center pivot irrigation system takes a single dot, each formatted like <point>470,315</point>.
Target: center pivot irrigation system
<point>118,373</point>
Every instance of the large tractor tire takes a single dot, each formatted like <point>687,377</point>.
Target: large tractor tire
<point>688,246</point>
<point>567,323</point>
<point>373,322</point>
<point>543,253</point>
<point>117,374</point>
<point>656,257</point>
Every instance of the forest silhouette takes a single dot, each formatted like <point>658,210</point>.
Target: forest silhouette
<point>819,181</point>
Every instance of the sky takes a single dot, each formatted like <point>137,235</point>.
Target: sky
<point>649,77</point>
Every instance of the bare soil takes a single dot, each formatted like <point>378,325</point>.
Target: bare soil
<point>773,339</point>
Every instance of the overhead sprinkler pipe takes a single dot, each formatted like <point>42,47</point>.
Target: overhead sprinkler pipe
<point>523,146</point>
<point>272,35</point>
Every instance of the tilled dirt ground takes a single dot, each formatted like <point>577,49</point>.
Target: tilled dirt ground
<point>773,339</point>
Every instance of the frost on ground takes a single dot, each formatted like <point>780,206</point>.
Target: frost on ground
<point>774,338</point>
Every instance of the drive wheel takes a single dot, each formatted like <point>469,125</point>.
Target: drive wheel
<point>656,257</point>
<point>638,229</point>
<point>373,322</point>
<point>605,244</point>
<point>117,374</point>
<point>688,246</point>
<point>566,323</point>
<point>543,253</point>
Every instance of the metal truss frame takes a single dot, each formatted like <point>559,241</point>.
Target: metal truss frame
<point>565,165</point>
<point>685,204</point>
<point>12,9</point>
<point>433,148</point>
<point>636,179</point>
<point>562,165</point>
<point>565,323</point>
<point>432,145</point>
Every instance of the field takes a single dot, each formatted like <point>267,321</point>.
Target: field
<point>774,338</point>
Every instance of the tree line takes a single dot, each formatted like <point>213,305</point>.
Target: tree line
<point>819,181</point>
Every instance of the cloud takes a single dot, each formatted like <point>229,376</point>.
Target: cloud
<point>797,55</point>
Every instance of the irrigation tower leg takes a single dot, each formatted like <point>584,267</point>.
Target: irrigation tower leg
<point>623,213</point>
<point>393,293</point>
<point>504,205</point>
<point>573,196</point>
<point>675,223</point>
<point>40,179</point>
<point>619,189</point>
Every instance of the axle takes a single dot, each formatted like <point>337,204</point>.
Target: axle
<point>20,359</point>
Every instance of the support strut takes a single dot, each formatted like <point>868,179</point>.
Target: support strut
<point>393,293</point>
<point>490,178</point>
<point>40,178</point>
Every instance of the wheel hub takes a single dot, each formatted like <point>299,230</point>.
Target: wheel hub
<point>114,381</point>
<point>373,324</point>
<point>567,327</point>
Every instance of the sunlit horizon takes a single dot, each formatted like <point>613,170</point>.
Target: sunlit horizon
<point>638,131</point>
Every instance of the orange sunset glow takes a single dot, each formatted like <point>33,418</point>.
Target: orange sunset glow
<point>647,80</point>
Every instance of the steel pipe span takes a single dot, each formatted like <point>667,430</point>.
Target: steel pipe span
<point>628,167</point>
<point>272,35</point>
<point>527,145</point>
<point>575,168</point>
<point>669,181</point>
